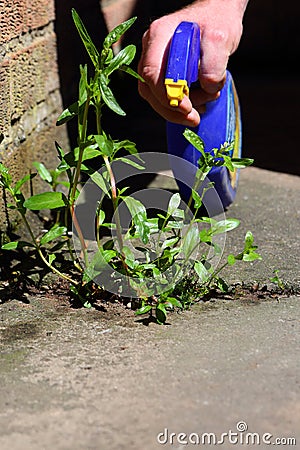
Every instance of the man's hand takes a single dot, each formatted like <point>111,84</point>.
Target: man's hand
<point>221,28</point>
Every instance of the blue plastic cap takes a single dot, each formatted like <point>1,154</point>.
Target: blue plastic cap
<point>184,54</point>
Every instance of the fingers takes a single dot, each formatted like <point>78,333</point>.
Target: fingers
<point>152,68</point>
<point>184,114</point>
<point>214,59</point>
<point>199,98</point>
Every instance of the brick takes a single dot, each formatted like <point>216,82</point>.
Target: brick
<point>5,100</point>
<point>32,139</point>
<point>39,13</point>
<point>21,16</point>
<point>33,74</point>
<point>12,19</point>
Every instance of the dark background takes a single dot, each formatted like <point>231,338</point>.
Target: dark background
<point>264,69</point>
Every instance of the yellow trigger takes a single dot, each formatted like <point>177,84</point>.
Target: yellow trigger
<point>176,91</point>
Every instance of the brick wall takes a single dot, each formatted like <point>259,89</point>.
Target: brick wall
<point>29,87</point>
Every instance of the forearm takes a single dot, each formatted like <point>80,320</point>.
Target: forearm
<point>239,5</point>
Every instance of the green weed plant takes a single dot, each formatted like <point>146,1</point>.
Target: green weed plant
<point>166,241</point>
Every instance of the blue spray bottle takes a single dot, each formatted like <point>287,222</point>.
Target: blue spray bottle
<point>219,124</point>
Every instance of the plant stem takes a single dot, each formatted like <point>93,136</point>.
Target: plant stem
<point>113,186</point>
<point>114,202</point>
<point>72,197</point>
<point>71,251</point>
<point>214,275</point>
<point>197,184</point>
<point>81,143</point>
<point>37,246</point>
<point>80,235</point>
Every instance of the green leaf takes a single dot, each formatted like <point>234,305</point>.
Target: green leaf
<point>107,255</point>
<point>23,180</point>
<point>20,200</point>
<point>55,232</point>
<point>68,114</point>
<point>152,223</point>
<point>51,258</point>
<point>100,181</point>
<point>83,86</point>
<point>90,152</point>
<point>174,302</point>
<point>42,171</point>
<point>16,244</point>
<point>109,56</point>
<point>129,257</point>
<point>102,258</point>
<point>228,163</point>
<point>6,178</point>
<point>86,39</point>
<point>108,97</point>
<point>277,280</point>
<point>190,242</point>
<point>100,217</point>
<point>63,166</point>
<point>124,57</point>
<point>195,140</point>
<point>68,161</point>
<point>98,263</point>
<point>251,256</point>
<point>174,202</point>
<point>139,217</point>
<point>58,246</point>
<point>131,72</point>
<point>161,313</point>
<point>11,206</point>
<point>46,200</point>
<point>3,170</point>
<point>222,285</point>
<point>130,162</point>
<point>197,199</point>
<point>248,253</point>
<point>10,245</point>
<point>201,271</point>
<point>241,163</point>
<point>143,310</point>
<point>104,144</point>
<point>117,32</point>
<point>205,236</point>
<point>127,145</point>
<point>171,242</point>
<point>225,149</point>
<point>249,239</point>
<point>223,226</point>
<point>231,259</point>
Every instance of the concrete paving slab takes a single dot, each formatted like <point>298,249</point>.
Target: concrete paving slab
<point>268,204</point>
